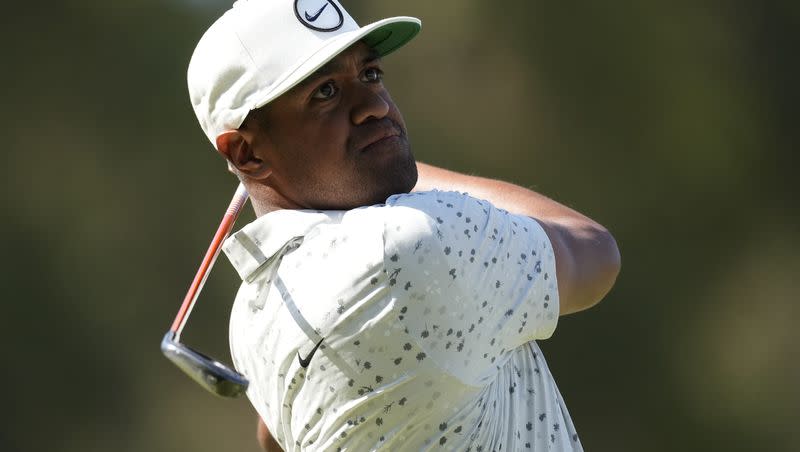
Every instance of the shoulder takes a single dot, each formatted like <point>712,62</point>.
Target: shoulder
<point>459,216</point>
<point>436,206</point>
<point>418,216</point>
<point>434,201</point>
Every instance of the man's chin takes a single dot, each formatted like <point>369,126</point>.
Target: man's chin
<point>372,182</point>
<point>400,174</point>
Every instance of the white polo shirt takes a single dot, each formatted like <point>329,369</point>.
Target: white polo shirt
<point>425,310</point>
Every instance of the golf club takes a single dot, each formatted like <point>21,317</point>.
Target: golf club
<point>208,372</point>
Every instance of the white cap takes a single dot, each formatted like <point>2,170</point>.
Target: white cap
<point>259,49</point>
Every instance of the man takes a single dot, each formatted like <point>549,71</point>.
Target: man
<point>378,308</point>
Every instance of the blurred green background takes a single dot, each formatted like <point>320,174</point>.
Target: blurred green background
<point>672,123</point>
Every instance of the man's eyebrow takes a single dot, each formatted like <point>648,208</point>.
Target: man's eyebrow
<point>326,69</point>
<point>334,66</point>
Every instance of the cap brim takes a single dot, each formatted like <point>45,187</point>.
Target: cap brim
<point>384,36</point>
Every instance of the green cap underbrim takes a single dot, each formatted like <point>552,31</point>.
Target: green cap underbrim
<point>391,37</point>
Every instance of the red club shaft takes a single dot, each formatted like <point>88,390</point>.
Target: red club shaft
<point>238,201</point>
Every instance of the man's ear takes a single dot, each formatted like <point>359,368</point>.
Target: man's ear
<point>234,146</point>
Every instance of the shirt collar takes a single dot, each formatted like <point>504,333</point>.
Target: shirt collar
<point>255,244</point>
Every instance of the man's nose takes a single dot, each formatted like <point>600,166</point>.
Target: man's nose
<point>369,104</point>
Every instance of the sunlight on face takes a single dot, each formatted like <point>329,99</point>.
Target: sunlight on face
<point>337,140</point>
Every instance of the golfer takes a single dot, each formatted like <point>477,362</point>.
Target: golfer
<point>385,304</point>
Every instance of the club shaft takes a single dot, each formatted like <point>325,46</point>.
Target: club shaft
<point>238,201</point>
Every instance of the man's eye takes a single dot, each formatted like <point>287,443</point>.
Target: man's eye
<point>373,75</point>
<point>326,91</point>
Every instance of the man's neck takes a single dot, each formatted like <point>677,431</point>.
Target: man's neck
<point>265,199</point>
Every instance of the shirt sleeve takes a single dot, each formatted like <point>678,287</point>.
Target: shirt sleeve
<point>472,281</point>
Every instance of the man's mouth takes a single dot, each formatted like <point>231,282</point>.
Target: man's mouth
<point>385,133</point>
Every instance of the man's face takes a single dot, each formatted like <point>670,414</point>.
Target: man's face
<point>337,140</point>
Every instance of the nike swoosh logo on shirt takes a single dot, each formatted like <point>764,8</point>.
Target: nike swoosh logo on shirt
<point>316,16</point>
<point>305,362</point>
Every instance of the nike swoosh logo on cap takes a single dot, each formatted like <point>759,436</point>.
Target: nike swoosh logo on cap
<point>316,16</point>
<point>305,362</point>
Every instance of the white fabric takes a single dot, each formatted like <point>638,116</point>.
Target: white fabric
<point>259,49</point>
<point>427,307</point>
